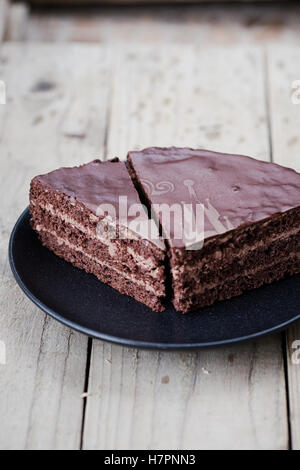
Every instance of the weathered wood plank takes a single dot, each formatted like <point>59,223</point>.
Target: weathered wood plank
<point>3,17</point>
<point>284,90</point>
<point>178,97</point>
<point>17,22</point>
<point>229,398</point>
<point>209,25</point>
<point>284,97</point>
<point>42,382</point>
<point>293,363</point>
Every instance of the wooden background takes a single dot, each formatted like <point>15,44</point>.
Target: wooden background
<point>58,388</point>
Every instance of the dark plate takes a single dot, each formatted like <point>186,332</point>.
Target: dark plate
<point>80,301</point>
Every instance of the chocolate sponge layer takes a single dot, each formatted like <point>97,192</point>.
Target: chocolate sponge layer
<point>105,273</point>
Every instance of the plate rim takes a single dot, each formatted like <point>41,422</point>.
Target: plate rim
<point>119,340</point>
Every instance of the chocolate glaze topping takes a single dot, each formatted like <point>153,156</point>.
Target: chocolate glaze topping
<point>97,183</point>
<point>94,183</point>
<point>234,189</point>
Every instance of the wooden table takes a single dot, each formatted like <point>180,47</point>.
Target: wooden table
<point>66,105</point>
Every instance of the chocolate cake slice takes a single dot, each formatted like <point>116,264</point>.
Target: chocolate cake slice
<point>77,214</point>
<point>251,220</point>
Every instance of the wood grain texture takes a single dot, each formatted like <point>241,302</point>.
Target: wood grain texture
<point>17,22</point>
<point>3,17</point>
<point>204,25</point>
<point>227,398</point>
<point>43,379</point>
<point>293,363</point>
<point>284,98</point>
<point>183,98</point>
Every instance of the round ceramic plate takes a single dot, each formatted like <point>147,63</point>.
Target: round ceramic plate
<point>80,301</point>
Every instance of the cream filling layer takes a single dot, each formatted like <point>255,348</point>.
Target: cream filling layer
<point>212,285</point>
<point>176,272</point>
<point>130,277</point>
<point>147,263</point>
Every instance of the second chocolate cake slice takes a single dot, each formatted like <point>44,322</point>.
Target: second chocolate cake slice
<point>251,220</point>
<point>77,214</point>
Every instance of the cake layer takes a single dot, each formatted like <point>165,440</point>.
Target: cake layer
<point>125,284</point>
<point>232,243</point>
<point>84,219</point>
<point>203,287</point>
<point>153,283</point>
<point>238,285</point>
<point>189,277</point>
<point>122,253</point>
